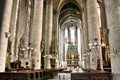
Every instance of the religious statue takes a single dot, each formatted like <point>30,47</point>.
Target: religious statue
<point>42,46</point>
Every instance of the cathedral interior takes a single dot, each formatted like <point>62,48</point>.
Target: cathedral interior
<point>60,34</point>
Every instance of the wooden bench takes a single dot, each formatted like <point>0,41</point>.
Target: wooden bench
<point>17,75</point>
<point>29,74</point>
<point>93,75</point>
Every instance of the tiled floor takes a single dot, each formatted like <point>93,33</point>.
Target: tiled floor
<point>62,76</point>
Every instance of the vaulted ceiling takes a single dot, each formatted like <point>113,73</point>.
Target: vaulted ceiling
<point>69,10</point>
<point>58,4</point>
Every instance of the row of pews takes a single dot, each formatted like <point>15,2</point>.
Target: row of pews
<point>43,74</point>
<point>91,75</point>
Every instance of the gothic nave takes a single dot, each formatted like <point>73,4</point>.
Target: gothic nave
<point>60,36</point>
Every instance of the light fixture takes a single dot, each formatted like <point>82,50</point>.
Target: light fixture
<point>47,55</point>
<point>29,49</point>
<point>77,12</point>
<point>114,50</point>
<point>96,44</point>
<point>23,49</point>
<point>7,34</point>
<point>50,56</point>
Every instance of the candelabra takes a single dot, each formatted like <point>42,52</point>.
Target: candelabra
<point>95,44</point>
<point>47,56</point>
<point>50,56</point>
<point>29,49</point>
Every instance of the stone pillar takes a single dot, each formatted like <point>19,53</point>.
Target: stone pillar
<point>48,30</point>
<point>43,38</point>
<point>19,30</point>
<point>36,34</point>
<point>85,36</point>
<point>26,34</point>
<point>3,34</point>
<point>113,23</point>
<point>55,22</point>
<point>13,24</point>
<point>93,25</point>
<point>104,35</point>
<point>104,30</point>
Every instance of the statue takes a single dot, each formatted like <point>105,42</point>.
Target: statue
<point>42,46</point>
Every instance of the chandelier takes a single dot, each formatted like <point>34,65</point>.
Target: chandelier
<point>95,44</point>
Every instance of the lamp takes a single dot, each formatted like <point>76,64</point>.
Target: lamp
<point>7,34</point>
<point>52,56</point>
<point>96,44</point>
<point>47,56</point>
<point>29,48</point>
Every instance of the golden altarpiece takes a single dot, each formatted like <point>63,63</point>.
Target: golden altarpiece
<point>72,56</point>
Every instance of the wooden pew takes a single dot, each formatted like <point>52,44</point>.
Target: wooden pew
<point>93,75</point>
<point>29,74</point>
<point>17,75</point>
<point>5,76</point>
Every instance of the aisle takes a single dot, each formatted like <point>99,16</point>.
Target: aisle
<point>62,76</point>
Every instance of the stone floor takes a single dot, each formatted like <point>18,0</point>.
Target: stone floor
<point>62,76</point>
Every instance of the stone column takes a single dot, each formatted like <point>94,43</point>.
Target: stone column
<point>113,23</point>
<point>85,36</point>
<point>104,30</point>
<point>55,22</point>
<point>26,34</point>
<point>43,38</point>
<point>13,25</point>
<point>3,34</point>
<point>48,30</point>
<point>36,34</point>
<point>104,35</point>
<point>19,30</point>
<point>93,25</point>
